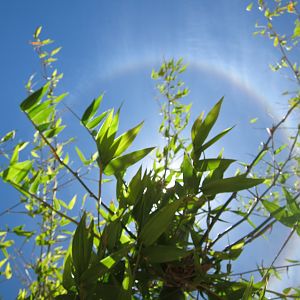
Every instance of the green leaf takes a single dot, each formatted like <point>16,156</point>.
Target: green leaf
<point>287,218</point>
<point>37,32</point>
<point>35,182</point>
<point>17,172</point>
<point>72,202</point>
<point>275,210</point>
<point>2,262</point>
<point>260,157</point>
<point>292,204</point>
<point>98,269</point>
<point>15,156</point>
<point>55,51</point>
<point>201,129</point>
<point>126,139</point>
<point>114,125</point>
<point>158,222</point>
<point>196,125</point>
<point>229,185</point>
<point>215,139</point>
<point>125,293</point>
<point>82,246</point>
<point>18,230</point>
<point>8,271</point>
<point>249,7</point>
<point>6,244</point>
<point>210,164</point>
<point>105,127</point>
<point>10,135</point>
<point>95,122</point>
<point>68,280</point>
<point>81,156</point>
<point>248,292</point>
<point>56,204</point>
<point>190,180</point>
<point>43,116</point>
<point>120,164</point>
<point>91,110</point>
<point>296,29</point>
<point>34,98</point>
<point>112,233</point>
<point>277,151</point>
<point>162,253</point>
<point>53,132</point>
<point>135,188</point>
<point>232,254</point>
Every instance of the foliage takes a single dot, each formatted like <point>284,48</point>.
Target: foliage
<point>155,240</point>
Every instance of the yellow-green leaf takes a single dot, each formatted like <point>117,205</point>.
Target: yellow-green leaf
<point>91,110</point>
<point>126,139</point>
<point>249,7</point>
<point>121,163</point>
<point>8,271</point>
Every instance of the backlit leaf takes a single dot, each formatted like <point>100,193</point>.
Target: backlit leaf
<point>121,163</point>
<point>34,98</point>
<point>228,185</point>
<point>10,135</point>
<point>215,139</point>
<point>158,222</point>
<point>249,7</point>
<point>91,110</point>
<point>98,269</point>
<point>126,139</point>
<point>201,130</point>
<point>96,121</point>
<point>8,271</point>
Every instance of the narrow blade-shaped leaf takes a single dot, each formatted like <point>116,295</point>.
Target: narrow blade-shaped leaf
<point>190,180</point>
<point>202,129</point>
<point>81,156</point>
<point>292,204</point>
<point>82,246</point>
<point>215,139</point>
<point>68,280</point>
<point>121,163</point>
<point>113,128</point>
<point>8,136</point>
<point>126,139</point>
<point>158,223</point>
<point>164,253</point>
<point>196,126</point>
<point>105,126</point>
<point>17,172</point>
<point>210,164</point>
<point>96,121</point>
<point>229,185</point>
<point>91,110</point>
<point>125,293</point>
<point>98,269</point>
<point>34,98</point>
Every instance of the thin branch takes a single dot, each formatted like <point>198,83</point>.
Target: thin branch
<point>75,174</point>
<point>266,268</point>
<point>249,168</point>
<point>280,250</point>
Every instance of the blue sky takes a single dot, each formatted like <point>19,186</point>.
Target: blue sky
<point>112,46</point>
